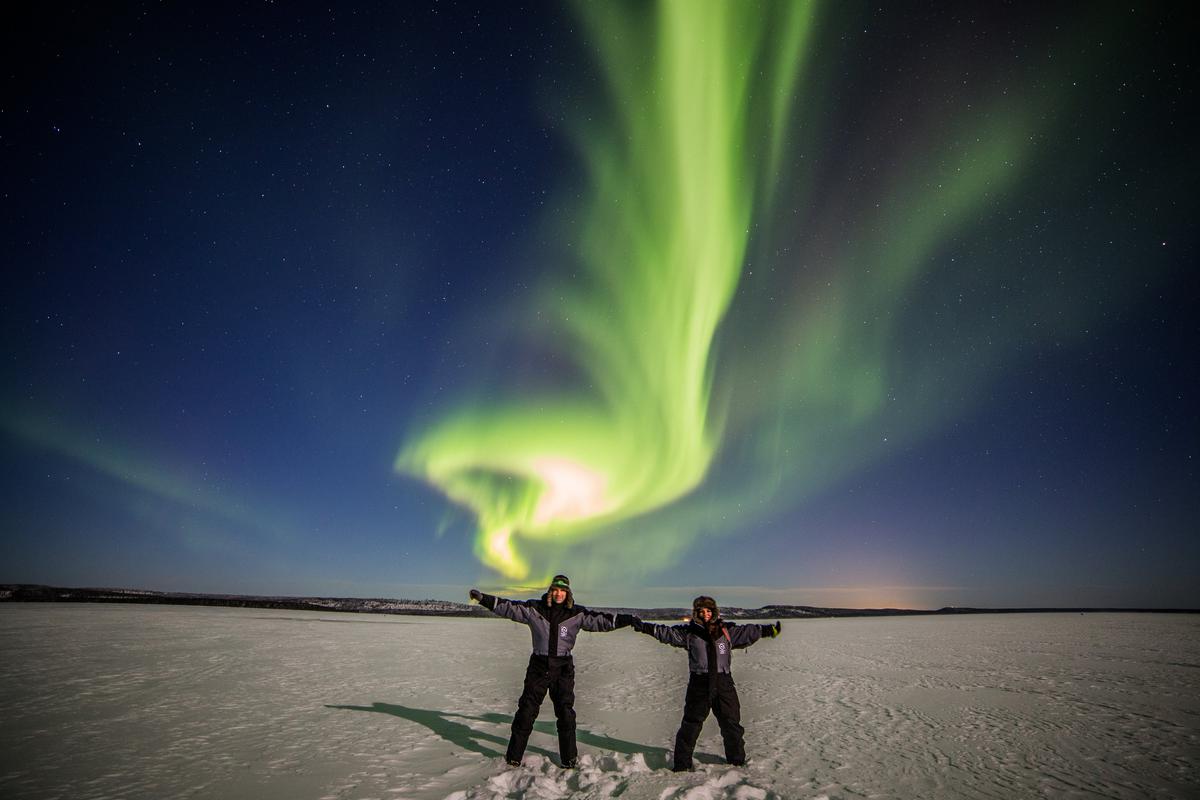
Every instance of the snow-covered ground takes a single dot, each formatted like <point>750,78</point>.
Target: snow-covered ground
<point>175,702</point>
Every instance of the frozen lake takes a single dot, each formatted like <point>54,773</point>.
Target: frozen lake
<point>174,702</point>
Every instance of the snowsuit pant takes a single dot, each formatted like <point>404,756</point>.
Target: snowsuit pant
<point>556,674</point>
<point>705,694</point>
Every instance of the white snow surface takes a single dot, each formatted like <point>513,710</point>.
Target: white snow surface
<point>129,701</point>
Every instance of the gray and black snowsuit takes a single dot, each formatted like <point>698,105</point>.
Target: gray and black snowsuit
<point>710,685</point>
<point>554,628</point>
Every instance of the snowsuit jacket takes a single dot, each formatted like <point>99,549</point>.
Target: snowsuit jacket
<point>695,638</point>
<point>553,627</point>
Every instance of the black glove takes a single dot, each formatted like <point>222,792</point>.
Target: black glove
<point>771,631</point>
<point>476,595</point>
<point>624,620</point>
<point>643,627</point>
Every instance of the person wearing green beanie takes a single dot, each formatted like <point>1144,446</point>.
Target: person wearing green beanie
<point>554,622</point>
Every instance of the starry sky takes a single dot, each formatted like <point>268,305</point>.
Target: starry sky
<point>823,304</point>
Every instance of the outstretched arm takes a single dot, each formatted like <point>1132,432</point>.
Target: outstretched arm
<point>515,610</point>
<point>746,635</point>
<point>603,621</point>
<point>674,635</point>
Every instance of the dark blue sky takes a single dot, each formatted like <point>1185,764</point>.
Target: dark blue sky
<point>252,251</point>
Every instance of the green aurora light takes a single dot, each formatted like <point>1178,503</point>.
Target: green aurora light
<point>201,512</point>
<point>799,351</point>
<point>664,238</point>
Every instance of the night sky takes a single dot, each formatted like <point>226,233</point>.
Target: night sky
<point>828,305</point>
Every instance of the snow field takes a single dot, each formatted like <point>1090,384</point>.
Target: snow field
<point>170,701</point>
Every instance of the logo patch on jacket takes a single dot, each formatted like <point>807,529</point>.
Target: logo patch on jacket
<point>721,648</point>
<point>562,631</point>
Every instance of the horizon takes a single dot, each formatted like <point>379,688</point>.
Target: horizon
<point>823,304</point>
<point>674,591</point>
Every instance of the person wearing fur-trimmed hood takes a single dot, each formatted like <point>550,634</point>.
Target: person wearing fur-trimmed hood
<point>554,622</point>
<point>710,642</point>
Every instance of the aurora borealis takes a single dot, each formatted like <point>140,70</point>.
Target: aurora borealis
<point>812,303</point>
<point>663,237</point>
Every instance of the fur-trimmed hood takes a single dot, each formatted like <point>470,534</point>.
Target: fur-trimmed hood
<point>560,582</point>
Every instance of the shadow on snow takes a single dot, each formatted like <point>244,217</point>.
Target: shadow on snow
<point>466,737</point>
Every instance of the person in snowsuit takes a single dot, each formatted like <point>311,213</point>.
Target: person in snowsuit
<point>554,621</point>
<point>709,642</point>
